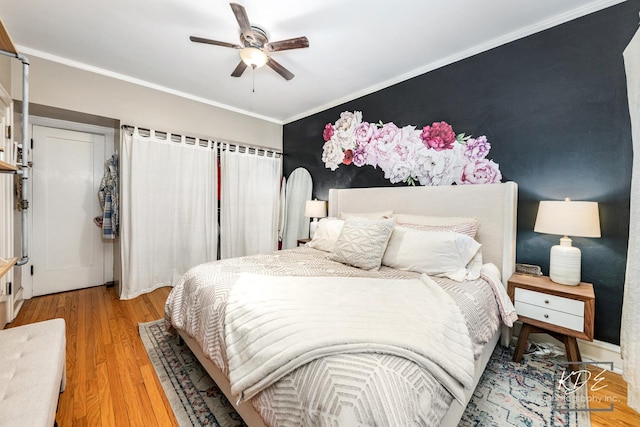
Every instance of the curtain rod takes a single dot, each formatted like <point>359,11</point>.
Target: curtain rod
<point>251,150</point>
<point>232,145</point>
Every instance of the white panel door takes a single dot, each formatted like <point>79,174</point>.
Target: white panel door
<point>67,251</point>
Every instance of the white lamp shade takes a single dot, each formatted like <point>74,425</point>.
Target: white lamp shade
<point>315,209</point>
<point>567,218</point>
<point>253,57</point>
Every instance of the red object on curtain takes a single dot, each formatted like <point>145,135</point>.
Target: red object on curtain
<point>218,171</point>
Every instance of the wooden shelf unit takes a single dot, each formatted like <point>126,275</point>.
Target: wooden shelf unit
<point>7,167</point>
<point>6,266</point>
<point>13,300</point>
<point>5,40</point>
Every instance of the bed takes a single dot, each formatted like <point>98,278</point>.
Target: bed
<point>222,324</point>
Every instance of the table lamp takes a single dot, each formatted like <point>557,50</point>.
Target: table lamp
<point>567,218</point>
<point>315,209</point>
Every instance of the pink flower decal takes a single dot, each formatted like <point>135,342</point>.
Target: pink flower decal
<point>477,148</point>
<point>481,171</point>
<point>382,145</point>
<point>359,158</point>
<point>439,136</point>
<point>348,157</point>
<point>364,133</point>
<point>433,155</point>
<point>328,131</point>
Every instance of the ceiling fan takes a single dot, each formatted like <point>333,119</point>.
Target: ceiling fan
<point>254,45</point>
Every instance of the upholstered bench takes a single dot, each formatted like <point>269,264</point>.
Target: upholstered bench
<point>32,373</point>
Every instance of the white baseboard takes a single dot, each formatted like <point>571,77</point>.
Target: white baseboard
<point>600,351</point>
<point>593,351</point>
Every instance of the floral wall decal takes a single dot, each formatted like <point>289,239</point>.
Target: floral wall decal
<point>433,155</point>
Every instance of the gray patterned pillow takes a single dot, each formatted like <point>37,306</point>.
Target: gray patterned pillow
<point>362,242</point>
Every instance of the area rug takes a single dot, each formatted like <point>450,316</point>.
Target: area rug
<point>527,393</point>
<point>509,394</point>
<point>194,397</point>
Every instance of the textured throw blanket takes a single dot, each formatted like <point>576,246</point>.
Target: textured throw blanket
<point>277,324</point>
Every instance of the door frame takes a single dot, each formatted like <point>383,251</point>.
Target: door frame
<point>108,246</point>
<point>7,301</point>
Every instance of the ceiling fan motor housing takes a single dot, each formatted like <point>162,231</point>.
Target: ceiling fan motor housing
<point>260,38</point>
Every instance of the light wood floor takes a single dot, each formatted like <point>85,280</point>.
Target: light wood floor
<point>613,392</point>
<point>110,380</point>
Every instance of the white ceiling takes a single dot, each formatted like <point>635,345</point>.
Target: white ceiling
<point>356,46</point>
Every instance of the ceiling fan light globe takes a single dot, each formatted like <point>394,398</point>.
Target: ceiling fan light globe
<point>253,57</point>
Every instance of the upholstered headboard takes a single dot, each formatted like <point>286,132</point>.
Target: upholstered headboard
<point>494,205</point>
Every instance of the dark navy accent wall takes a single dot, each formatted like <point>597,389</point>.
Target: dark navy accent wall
<point>554,108</point>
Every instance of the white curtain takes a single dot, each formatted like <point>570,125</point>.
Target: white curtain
<point>249,202</point>
<point>629,334</point>
<point>168,210</point>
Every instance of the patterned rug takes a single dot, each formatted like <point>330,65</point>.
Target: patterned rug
<point>509,394</point>
<point>525,394</point>
<point>194,397</point>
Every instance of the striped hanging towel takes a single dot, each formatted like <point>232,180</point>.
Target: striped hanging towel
<point>108,195</point>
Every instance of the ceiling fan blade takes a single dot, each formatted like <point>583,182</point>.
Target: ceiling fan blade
<point>275,66</point>
<point>239,69</point>
<point>214,42</point>
<point>243,22</point>
<point>295,43</point>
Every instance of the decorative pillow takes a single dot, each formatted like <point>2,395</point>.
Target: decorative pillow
<point>327,234</point>
<point>367,215</point>
<point>459,224</point>
<point>470,228</point>
<point>362,242</point>
<point>436,253</point>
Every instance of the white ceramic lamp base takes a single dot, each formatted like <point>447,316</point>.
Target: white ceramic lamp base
<point>313,226</point>
<point>564,266</point>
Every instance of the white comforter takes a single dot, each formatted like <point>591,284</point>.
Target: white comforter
<point>276,324</point>
<point>344,389</point>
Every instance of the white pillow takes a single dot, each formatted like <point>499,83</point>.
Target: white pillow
<point>367,215</point>
<point>433,220</point>
<point>362,242</point>
<point>327,234</point>
<point>459,224</point>
<point>436,253</point>
<point>474,268</point>
<point>469,228</point>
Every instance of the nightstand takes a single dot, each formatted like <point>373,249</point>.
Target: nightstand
<point>303,241</point>
<point>564,312</point>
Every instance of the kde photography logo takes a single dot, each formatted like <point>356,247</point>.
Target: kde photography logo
<point>576,384</point>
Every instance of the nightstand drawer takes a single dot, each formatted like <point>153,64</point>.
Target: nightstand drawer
<point>552,317</point>
<point>552,302</point>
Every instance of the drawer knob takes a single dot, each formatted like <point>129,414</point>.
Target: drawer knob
<point>546,316</point>
<point>546,301</point>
